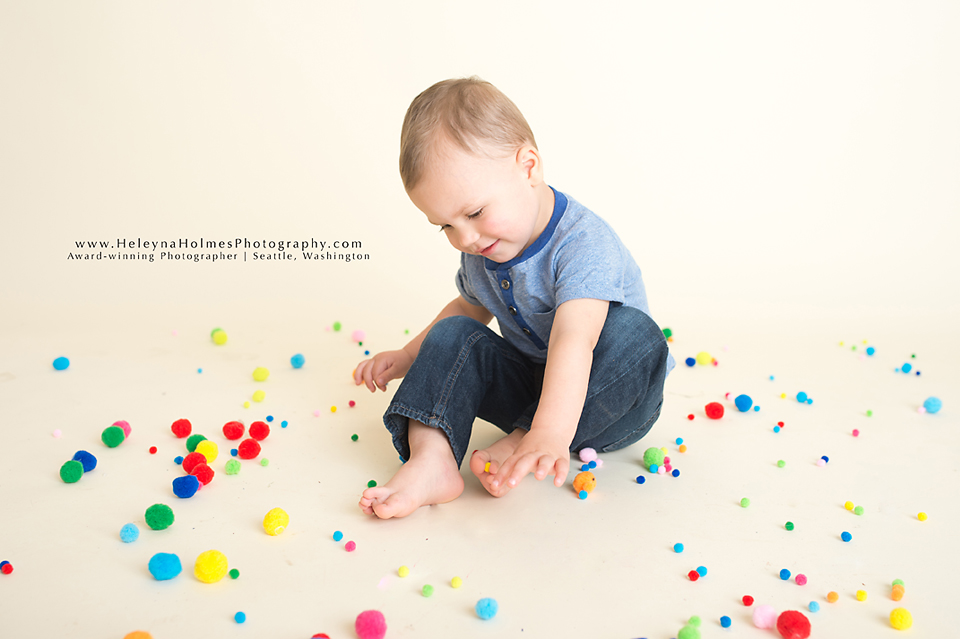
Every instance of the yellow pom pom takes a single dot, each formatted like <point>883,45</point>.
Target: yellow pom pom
<point>258,396</point>
<point>585,481</point>
<point>683,448</point>
<point>486,467</point>
<point>208,449</point>
<point>664,449</point>
<point>861,595</point>
<point>219,337</point>
<point>456,582</point>
<point>211,566</point>
<point>138,634</point>
<point>260,374</point>
<point>832,597</point>
<point>900,618</point>
<point>276,521</point>
<point>848,505</point>
<point>922,516</point>
<point>246,404</point>
<point>704,358</point>
<point>404,571</point>
<point>333,409</point>
<point>783,395</point>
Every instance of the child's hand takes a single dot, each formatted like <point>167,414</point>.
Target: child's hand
<point>540,452</point>
<point>382,368</point>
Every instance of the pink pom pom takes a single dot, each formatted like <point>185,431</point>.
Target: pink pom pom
<point>351,546</point>
<point>588,455</point>
<point>856,433</point>
<point>124,425</point>
<point>821,463</point>
<point>57,433</point>
<point>599,462</point>
<point>764,617</point>
<point>921,410</point>
<point>801,580</point>
<point>358,335</point>
<point>370,624</point>
<point>316,413</point>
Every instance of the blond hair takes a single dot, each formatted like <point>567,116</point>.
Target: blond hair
<point>469,112</point>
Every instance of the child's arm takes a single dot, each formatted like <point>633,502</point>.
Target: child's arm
<point>394,364</point>
<point>545,450</point>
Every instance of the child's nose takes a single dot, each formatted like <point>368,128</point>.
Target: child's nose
<point>468,238</point>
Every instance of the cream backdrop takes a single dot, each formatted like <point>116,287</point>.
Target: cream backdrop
<point>760,159</point>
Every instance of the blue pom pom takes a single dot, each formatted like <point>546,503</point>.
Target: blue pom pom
<point>585,467</point>
<point>756,408</point>
<point>178,460</point>
<point>283,424</point>
<point>825,458</point>
<point>846,536</point>
<point>809,400</point>
<point>240,617</point>
<point>129,533</point>
<point>776,429</point>
<point>337,536</point>
<point>61,363</point>
<point>702,570</point>
<point>801,397</point>
<point>870,351</point>
<point>678,548</point>
<point>641,479</point>
<point>743,403</point>
<point>690,361</point>
<point>233,452</point>
<point>269,418</point>
<point>676,472</point>
<point>679,440</point>
<point>906,368</point>
<point>89,461</point>
<point>592,464</point>
<point>186,486</point>
<point>814,606</point>
<point>164,565</point>
<point>297,361</point>
<point>932,405</point>
<point>654,468</point>
<point>784,574</point>
<point>725,621</point>
<point>583,494</point>
<point>486,608</point>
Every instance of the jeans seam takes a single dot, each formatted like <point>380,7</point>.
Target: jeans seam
<point>636,364</point>
<point>462,356</point>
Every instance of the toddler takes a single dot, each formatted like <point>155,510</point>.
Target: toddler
<point>580,362</point>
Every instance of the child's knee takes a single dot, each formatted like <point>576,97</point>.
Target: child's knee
<point>452,330</point>
<point>630,333</point>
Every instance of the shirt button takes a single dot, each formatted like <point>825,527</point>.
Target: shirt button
<point>505,284</point>
<point>513,311</point>
<point>526,331</point>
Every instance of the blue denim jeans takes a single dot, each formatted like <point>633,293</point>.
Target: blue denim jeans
<point>464,370</point>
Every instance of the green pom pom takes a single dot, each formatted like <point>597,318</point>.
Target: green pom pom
<point>694,621</point>
<point>371,483</point>
<point>745,502</point>
<point>858,510</point>
<point>652,456</point>
<point>159,516</point>
<point>234,573</point>
<point>354,437</point>
<point>232,467</point>
<point>781,464</point>
<point>689,632</point>
<point>337,326</point>
<point>193,440</point>
<point>72,471</point>
<point>898,582</point>
<point>667,332</point>
<point>427,590</point>
<point>112,436</point>
<point>788,525</point>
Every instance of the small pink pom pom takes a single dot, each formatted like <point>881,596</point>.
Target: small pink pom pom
<point>588,455</point>
<point>316,413</point>
<point>358,335</point>
<point>821,463</point>
<point>661,471</point>
<point>801,580</point>
<point>764,617</point>
<point>57,433</point>
<point>350,546</point>
<point>370,624</point>
<point>921,410</point>
<point>856,433</point>
<point>599,462</point>
<point>125,425</point>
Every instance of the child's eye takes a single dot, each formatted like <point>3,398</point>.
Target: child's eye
<point>477,214</point>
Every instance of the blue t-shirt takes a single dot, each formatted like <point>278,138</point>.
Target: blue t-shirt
<point>578,255</point>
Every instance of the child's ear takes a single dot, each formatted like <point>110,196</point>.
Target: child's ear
<point>528,158</point>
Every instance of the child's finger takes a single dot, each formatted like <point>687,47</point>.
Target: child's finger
<point>523,466</point>
<point>544,466</point>
<point>562,468</point>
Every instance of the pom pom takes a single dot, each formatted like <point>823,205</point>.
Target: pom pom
<point>193,440</point>
<point>337,535</point>
<point>297,361</point>
<point>203,472</point>
<point>233,430</point>
<point>456,582</point>
<point>689,632</point>
<point>232,467</point>
<point>846,536</point>
<point>403,571</point>
<point>210,567</point>
<point>587,455</point>
<point>350,546</point>
<point>186,487</point>
<point>190,461</point>
<point>61,364</point>
<point>138,634</point>
<point>181,428</point>
<point>260,374</point>
<point>932,406</point>
<point>259,431</point>
<point>814,606</point>
<point>219,336</point>
<point>129,533</point>
<point>693,575</point>
<point>248,449</point>
<point>276,521</point>
<point>764,616</point>
<point>900,618</point>
<point>585,481</point>
<point>370,624</point>
<point>652,457</point>
<point>714,410</point>
<point>208,449</point>
<point>801,579</point>
<point>164,565</point>
<point>784,574</point>
<point>832,597</point>
<point>792,624</point>
<point>743,403</point>
<point>427,590</point>
<point>159,516</point>
<point>702,571</point>
<point>747,600</point>
<point>678,548</point>
<point>240,617</point>
<point>861,595</point>
<point>358,335</point>
<point>6,567</point>
<point>71,471</point>
<point>112,436</point>
<point>897,592</point>
<point>486,608</point>
<point>725,621</point>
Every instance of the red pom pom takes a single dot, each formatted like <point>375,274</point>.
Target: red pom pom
<point>248,449</point>
<point>694,575</point>
<point>203,472</point>
<point>181,428</point>
<point>190,461</point>
<point>714,410</point>
<point>259,431</point>
<point>233,430</point>
<point>370,624</point>
<point>352,403</point>
<point>153,450</point>
<point>690,417</point>
<point>793,625</point>
<point>780,424</point>
<point>320,635</point>
<point>747,600</point>
<point>7,568</point>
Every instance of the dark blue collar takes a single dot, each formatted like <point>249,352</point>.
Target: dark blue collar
<point>559,206</point>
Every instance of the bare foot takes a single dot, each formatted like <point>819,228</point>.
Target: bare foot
<point>495,455</point>
<point>430,477</point>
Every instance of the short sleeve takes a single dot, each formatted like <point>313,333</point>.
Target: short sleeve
<point>591,263</point>
<point>463,283</point>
